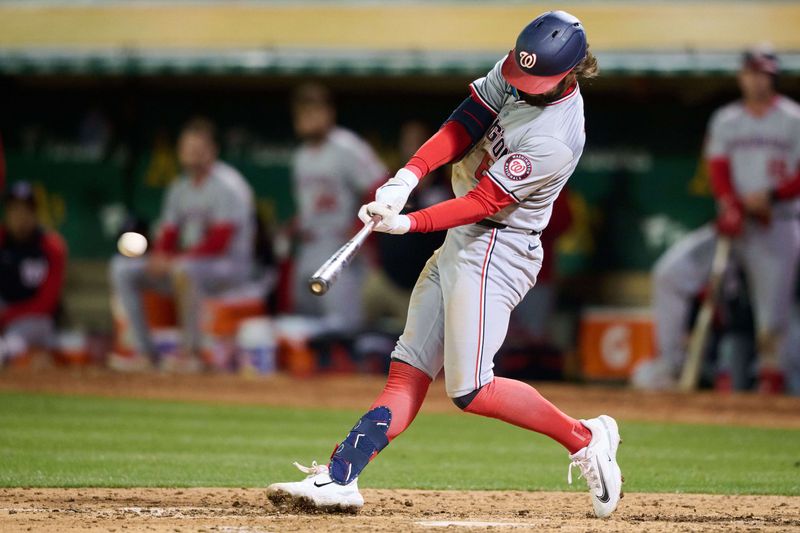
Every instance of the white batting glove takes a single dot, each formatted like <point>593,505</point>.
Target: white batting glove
<point>391,221</point>
<point>394,193</point>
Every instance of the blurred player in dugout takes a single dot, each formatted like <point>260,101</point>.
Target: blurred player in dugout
<point>387,290</point>
<point>32,265</point>
<point>204,244</point>
<point>332,171</point>
<point>753,151</point>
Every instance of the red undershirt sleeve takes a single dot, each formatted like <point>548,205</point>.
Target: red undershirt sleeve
<point>443,147</point>
<point>46,299</point>
<point>215,242</point>
<point>484,200</point>
<point>167,240</point>
<point>719,169</point>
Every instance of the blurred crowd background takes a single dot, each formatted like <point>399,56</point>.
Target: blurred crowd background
<point>103,105</point>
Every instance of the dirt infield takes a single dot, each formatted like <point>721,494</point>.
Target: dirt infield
<point>246,510</point>
<point>356,392</point>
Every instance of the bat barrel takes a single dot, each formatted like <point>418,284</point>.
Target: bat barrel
<point>326,275</point>
<point>318,285</point>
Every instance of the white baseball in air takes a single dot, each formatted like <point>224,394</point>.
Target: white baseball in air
<point>132,244</point>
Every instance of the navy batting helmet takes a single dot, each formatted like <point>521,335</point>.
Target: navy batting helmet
<point>547,50</point>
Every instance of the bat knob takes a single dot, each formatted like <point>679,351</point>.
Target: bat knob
<point>317,286</point>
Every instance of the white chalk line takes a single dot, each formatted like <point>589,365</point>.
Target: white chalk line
<point>472,523</point>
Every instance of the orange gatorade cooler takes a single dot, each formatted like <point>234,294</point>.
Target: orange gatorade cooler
<point>614,340</point>
<point>220,321</point>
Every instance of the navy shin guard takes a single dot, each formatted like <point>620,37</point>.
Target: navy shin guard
<point>367,438</point>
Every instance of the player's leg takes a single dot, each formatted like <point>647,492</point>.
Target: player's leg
<point>770,259</point>
<point>479,297</point>
<point>195,278</point>
<point>416,360</point>
<point>678,276</point>
<point>129,278</point>
<point>35,331</point>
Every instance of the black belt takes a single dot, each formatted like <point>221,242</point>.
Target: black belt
<point>486,223</point>
<point>491,224</point>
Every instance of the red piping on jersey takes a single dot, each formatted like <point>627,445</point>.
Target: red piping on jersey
<point>486,199</point>
<point>719,169</point>
<point>482,309</point>
<point>478,98</point>
<point>568,93</point>
<point>45,301</point>
<point>444,146</point>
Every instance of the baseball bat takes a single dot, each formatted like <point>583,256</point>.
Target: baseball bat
<point>326,275</point>
<point>698,340</point>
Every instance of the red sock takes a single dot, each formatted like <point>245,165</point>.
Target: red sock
<point>520,404</point>
<point>403,394</point>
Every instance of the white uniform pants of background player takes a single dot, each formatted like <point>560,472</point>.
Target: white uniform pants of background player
<point>769,257</point>
<point>199,277</point>
<point>341,308</point>
<point>460,306</point>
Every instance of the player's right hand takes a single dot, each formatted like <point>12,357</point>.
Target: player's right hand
<point>395,192</point>
<point>390,221</point>
<point>730,218</point>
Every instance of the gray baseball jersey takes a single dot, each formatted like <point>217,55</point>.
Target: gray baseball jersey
<point>460,306</point>
<point>528,151</point>
<point>330,180</point>
<point>763,151</point>
<point>224,197</point>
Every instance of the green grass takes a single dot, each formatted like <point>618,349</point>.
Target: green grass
<point>67,441</point>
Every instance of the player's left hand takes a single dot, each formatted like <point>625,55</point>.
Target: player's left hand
<point>391,221</point>
<point>395,191</point>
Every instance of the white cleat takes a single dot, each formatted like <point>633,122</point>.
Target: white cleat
<point>317,492</point>
<point>598,465</point>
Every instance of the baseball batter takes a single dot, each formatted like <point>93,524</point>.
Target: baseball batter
<point>518,138</point>
<point>753,149</point>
